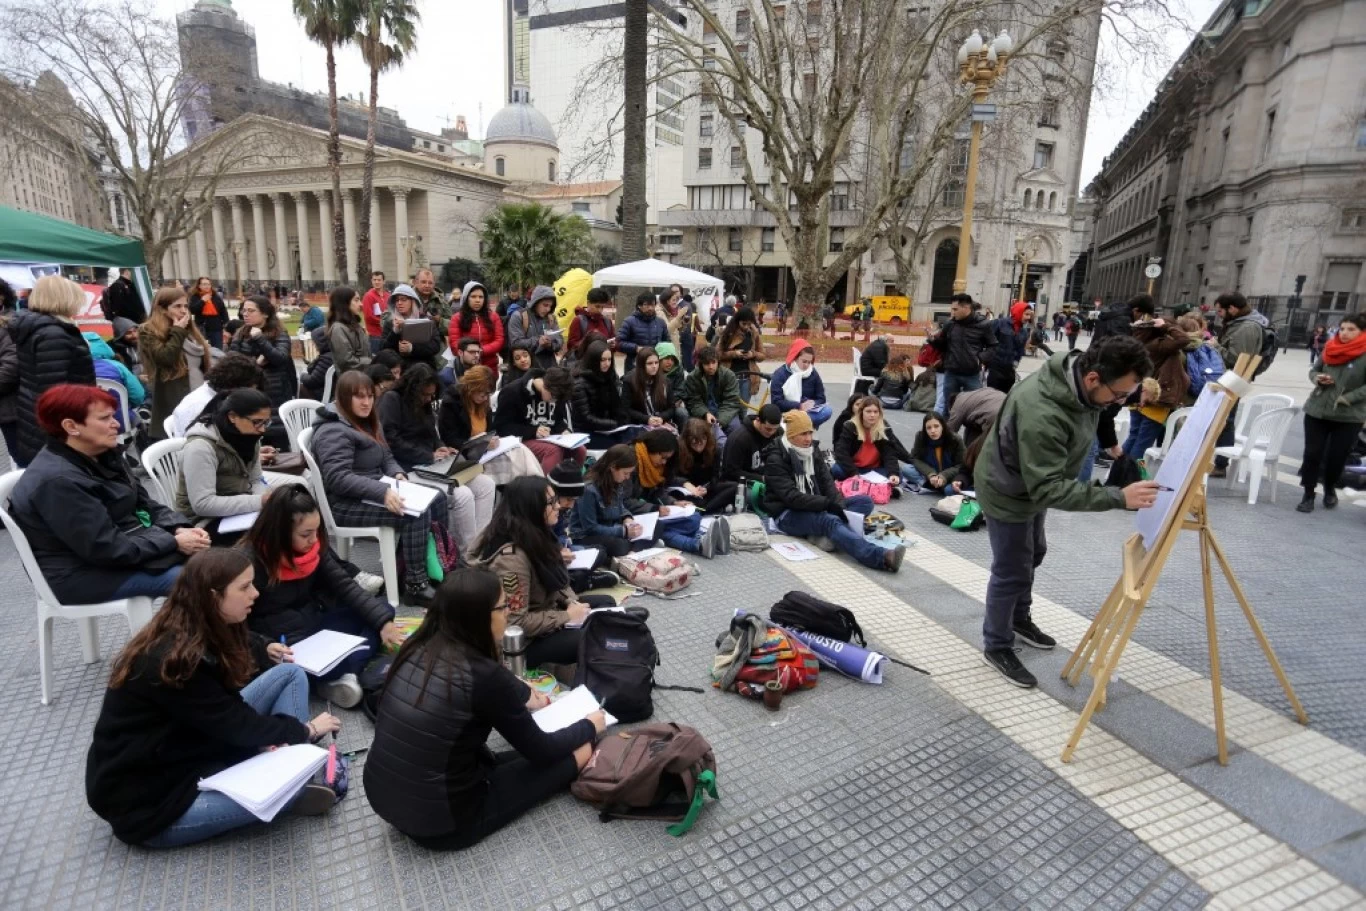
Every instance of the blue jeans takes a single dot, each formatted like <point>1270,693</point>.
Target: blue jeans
<point>955,383</point>
<point>282,690</point>
<point>1089,465</point>
<point>1143,432</point>
<point>152,585</point>
<point>912,475</point>
<point>803,524</point>
<point>1017,549</point>
<point>342,620</point>
<point>680,533</point>
<point>939,395</point>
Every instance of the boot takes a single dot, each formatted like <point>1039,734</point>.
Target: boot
<point>1307,504</point>
<point>1330,498</point>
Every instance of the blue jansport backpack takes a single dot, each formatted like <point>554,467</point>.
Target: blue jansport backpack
<point>1203,365</point>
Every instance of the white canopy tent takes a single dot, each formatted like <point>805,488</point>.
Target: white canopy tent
<point>655,273</point>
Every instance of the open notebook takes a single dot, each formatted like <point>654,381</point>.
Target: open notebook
<point>325,649</point>
<point>573,706</point>
<point>264,783</point>
<point>416,497</point>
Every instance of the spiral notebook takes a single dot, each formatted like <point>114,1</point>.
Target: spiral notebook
<point>264,783</point>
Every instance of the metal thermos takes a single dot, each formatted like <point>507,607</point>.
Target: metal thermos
<point>514,650</point>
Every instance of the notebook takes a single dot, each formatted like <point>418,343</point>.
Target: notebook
<point>325,649</point>
<point>504,444</point>
<point>679,511</point>
<point>646,521</point>
<point>264,783</point>
<point>568,440</point>
<point>574,706</point>
<point>416,497</point>
<point>418,330</point>
<point>584,559</point>
<point>231,524</point>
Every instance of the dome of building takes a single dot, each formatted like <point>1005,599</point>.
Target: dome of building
<point>520,122</point>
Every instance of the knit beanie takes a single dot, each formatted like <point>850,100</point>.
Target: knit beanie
<point>566,479</point>
<point>796,422</point>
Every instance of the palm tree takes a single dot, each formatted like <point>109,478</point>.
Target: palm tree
<point>635,54</point>
<point>332,23</point>
<point>527,244</point>
<point>387,33</point>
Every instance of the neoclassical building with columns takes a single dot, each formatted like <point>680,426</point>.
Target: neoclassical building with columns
<point>272,217</point>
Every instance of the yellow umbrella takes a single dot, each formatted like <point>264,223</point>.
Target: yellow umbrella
<point>571,292</point>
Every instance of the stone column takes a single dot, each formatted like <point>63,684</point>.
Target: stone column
<point>401,241</point>
<point>283,266</point>
<point>201,252</point>
<point>305,252</point>
<point>182,259</point>
<point>376,239</point>
<point>220,245</point>
<point>349,220</point>
<point>237,250</point>
<point>325,227</point>
<point>258,236</point>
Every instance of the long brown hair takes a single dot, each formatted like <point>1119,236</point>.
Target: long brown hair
<point>696,429</point>
<point>647,391</point>
<point>619,456</point>
<point>159,326</point>
<point>189,627</point>
<point>349,385</point>
<point>900,367</point>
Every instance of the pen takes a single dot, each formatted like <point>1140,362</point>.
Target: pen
<point>264,482</point>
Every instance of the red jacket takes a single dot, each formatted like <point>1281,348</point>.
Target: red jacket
<point>584,323</point>
<point>490,338</point>
<point>373,305</point>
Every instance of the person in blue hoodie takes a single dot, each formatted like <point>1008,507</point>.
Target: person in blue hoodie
<point>796,386</point>
<point>109,367</point>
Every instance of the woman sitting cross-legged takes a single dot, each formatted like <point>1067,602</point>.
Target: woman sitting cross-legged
<point>220,469</point>
<point>352,457</point>
<point>598,407</point>
<point>465,414</point>
<point>894,384</point>
<point>645,394</point>
<point>866,443</point>
<point>305,587</point>
<point>405,414</point>
<point>699,469</point>
<point>96,534</point>
<point>648,491</point>
<point>801,495</point>
<point>936,457</point>
<point>601,518</point>
<point>430,773</point>
<point>190,695</point>
<point>520,546</point>
<point>797,386</point>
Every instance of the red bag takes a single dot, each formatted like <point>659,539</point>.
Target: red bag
<point>862,487</point>
<point>928,356</point>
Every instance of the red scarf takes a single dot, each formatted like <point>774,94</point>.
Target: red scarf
<point>303,565</point>
<point>209,308</point>
<point>1337,352</point>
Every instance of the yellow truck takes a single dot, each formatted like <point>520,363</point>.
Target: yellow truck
<point>892,309</point>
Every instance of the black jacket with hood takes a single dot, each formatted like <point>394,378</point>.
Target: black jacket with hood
<point>51,352</point>
<point>743,457</point>
<point>597,401</point>
<point>781,488</point>
<point>521,410</point>
<point>965,344</point>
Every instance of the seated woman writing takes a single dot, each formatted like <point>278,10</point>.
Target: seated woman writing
<point>465,414</point>
<point>645,394</point>
<point>190,695</point>
<point>405,415</point>
<point>220,473</point>
<point>520,546</point>
<point>936,457</point>
<point>648,491</point>
<point>866,443</point>
<point>598,407</point>
<point>305,587</point>
<point>430,773</point>
<point>699,469</point>
<point>353,457</point>
<point>96,534</point>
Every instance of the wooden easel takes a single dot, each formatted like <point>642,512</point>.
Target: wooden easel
<point>1109,633</point>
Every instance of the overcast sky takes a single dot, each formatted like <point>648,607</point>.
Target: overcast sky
<point>458,67</point>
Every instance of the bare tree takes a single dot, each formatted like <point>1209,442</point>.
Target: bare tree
<point>123,95</point>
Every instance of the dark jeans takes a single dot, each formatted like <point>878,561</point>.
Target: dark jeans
<point>1326,447</point>
<point>352,624</point>
<point>612,547</point>
<point>803,524</point>
<point>1071,343</point>
<point>955,383</point>
<point>1226,436</point>
<point>720,494</point>
<point>515,785</point>
<point>1143,433</point>
<point>1017,550</point>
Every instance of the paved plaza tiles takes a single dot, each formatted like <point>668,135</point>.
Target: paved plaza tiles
<point>943,791</point>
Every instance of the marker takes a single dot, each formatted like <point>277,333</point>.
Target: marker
<point>282,640</point>
<point>331,774</point>
<point>1167,489</point>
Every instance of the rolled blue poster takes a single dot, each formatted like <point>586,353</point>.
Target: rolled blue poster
<point>846,657</point>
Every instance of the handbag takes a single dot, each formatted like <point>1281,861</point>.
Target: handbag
<point>928,356</point>
<point>879,493</point>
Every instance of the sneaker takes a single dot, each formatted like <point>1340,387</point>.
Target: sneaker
<point>1032,635</point>
<point>1307,504</point>
<point>314,800</point>
<point>344,692</point>
<point>824,543</point>
<point>1330,499</point>
<point>372,583</point>
<point>721,528</point>
<point>1004,660</point>
<point>706,543</point>
<point>418,594</point>
<point>891,560</point>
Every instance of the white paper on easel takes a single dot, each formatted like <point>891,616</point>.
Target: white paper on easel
<point>1179,464</point>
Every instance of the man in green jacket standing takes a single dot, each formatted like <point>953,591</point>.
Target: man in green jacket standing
<point>1029,465</point>
<point>1242,330</point>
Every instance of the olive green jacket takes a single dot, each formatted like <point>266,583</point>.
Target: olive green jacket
<point>1343,401</point>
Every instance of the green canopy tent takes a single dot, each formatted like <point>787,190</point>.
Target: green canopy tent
<point>29,238</point>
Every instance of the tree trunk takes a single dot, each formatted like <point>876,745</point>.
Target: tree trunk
<point>634,54</point>
<point>334,164</point>
<point>367,184</point>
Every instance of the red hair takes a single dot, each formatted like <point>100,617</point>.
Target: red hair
<point>72,401</point>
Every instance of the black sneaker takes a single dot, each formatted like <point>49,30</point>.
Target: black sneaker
<point>1032,635</point>
<point>418,594</point>
<point>315,800</point>
<point>1004,660</point>
<point>1330,499</point>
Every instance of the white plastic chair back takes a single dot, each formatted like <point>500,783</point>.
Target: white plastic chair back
<point>120,392</point>
<point>1175,421</point>
<point>297,415</point>
<point>169,426</point>
<point>1254,406</point>
<point>329,380</point>
<point>162,461</point>
<point>1269,430</point>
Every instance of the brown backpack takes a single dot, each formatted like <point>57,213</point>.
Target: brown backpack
<point>655,771</point>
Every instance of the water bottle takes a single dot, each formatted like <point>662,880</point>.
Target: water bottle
<point>514,650</point>
<point>740,498</point>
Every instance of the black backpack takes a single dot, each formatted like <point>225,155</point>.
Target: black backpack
<point>617,661</point>
<point>800,611</point>
<point>1268,352</point>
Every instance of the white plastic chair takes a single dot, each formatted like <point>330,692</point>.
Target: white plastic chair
<point>138,611</point>
<point>1260,451</point>
<point>858,376</point>
<point>296,415</point>
<point>120,392</point>
<point>161,461</point>
<point>169,426</point>
<point>1154,455</point>
<point>1253,407</point>
<point>341,535</point>
<point>329,381</point>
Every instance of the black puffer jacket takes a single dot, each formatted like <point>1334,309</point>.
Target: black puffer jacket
<point>889,450</point>
<point>427,771</point>
<point>350,462</point>
<point>597,402</point>
<point>51,352</point>
<point>1116,319</point>
<point>294,608</point>
<point>413,441</point>
<point>79,515</point>
<point>315,378</point>
<point>282,379</point>
<point>965,344</point>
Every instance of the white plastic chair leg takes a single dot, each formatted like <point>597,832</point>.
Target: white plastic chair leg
<point>343,547</point>
<point>140,612</point>
<point>1256,469</point>
<point>89,628</point>
<point>45,652</point>
<point>388,557</point>
<point>1273,468</point>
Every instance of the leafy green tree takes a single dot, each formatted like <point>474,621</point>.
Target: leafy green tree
<point>528,244</point>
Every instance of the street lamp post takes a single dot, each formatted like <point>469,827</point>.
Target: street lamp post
<point>980,65</point>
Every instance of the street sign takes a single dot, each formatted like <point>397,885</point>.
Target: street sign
<point>1153,270</point>
<point>983,113</point>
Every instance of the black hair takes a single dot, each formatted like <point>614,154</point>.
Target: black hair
<point>271,537</point>
<point>1115,357</point>
<point>643,389</point>
<point>706,355</point>
<point>590,363</point>
<point>468,341</point>
<point>235,370</point>
<point>519,520</point>
<point>457,618</point>
<point>599,296</point>
<point>962,298</point>
<point>9,300</point>
<point>379,373</point>
<point>1232,299</point>
<point>409,388</point>
<point>1356,319</point>
<point>732,329</point>
<point>468,314</point>
<point>558,383</point>
<point>770,414</point>
<point>1143,303</point>
<point>339,307</point>
<point>645,297</point>
<point>387,357</point>
<point>659,441</point>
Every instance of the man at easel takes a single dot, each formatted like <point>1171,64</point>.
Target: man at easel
<point>1030,464</point>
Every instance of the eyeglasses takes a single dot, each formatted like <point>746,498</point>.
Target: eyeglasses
<point>1117,395</point>
<point>258,423</point>
<point>552,504</point>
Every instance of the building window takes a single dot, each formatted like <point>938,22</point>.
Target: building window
<point>1352,220</point>
<point>708,30</point>
<point>766,240</point>
<point>550,170</point>
<point>1029,198</point>
<point>671,240</point>
<point>813,13</point>
<point>737,157</point>
<point>441,148</point>
<point>955,194</point>
<point>809,85</point>
<point>1057,51</point>
<point>1043,155</point>
<point>839,198</point>
<point>706,126</point>
<point>703,158</point>
<point>1339,286</point>
<point>1038,201</point>
<point>582,208</point>
<point>1048,113</point>
<point>836,240</point>
<point>742,22</point>
<point>735,241</point>
<point>1361,133</point>
<point>1052,201</point>
<point>1270,135</point>
<point>1238,275</point>
<point>1247,230</point>
<point>500,167</point>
